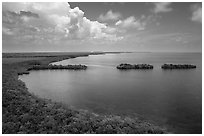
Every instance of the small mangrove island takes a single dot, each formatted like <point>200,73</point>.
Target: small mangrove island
<point>178,66</point>
<point>136,66</point>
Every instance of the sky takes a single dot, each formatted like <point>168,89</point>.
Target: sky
<point>102,26</point>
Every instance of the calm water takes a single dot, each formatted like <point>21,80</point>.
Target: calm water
<point>172,98</point>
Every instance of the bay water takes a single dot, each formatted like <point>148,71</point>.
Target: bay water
<point>171,98</point>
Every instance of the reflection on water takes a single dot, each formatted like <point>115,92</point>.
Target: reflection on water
<point>169,97</point>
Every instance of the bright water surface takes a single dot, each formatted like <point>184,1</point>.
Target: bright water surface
<point>171,98</point>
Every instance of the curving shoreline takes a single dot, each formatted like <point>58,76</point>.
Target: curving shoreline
<point>23,112</point>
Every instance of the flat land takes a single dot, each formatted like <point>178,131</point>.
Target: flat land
<point>23,112</point>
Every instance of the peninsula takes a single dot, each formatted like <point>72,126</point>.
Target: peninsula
<point>25,113</point>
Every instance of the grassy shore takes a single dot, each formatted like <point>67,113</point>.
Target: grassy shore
<point>23,112</point>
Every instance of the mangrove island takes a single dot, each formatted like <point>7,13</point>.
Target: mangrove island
<point>136,66</point>
<point>178,66</point>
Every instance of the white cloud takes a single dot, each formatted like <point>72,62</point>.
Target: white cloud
<point>111,30</point>
<point>54,21</point>
<point>6,31</point>
<point>197,13</point>
<point>110,16</point>
<point>162,7</point>
<point>132,22</point>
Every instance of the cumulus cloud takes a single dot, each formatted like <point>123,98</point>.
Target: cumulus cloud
<point>110,16</point>
<point>196,13</point>
<point>160,7</point>
<point>111,30</point>
<point>28,14</point>
<point>132,22</point>
<point>18,17</point>
<point>52,21</point>
<point>6,31</point>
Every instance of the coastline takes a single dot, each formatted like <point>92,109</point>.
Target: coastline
<point>22,111</point>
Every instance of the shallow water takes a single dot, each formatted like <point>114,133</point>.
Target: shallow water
<point>171,98</point>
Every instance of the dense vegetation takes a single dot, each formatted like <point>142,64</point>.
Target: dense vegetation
<point>178,66</point>
<point>74,67</point>
<point>23,112</point>
<point>136,66</point>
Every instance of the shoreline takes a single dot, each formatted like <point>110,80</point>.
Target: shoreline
<point>23,112</point>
